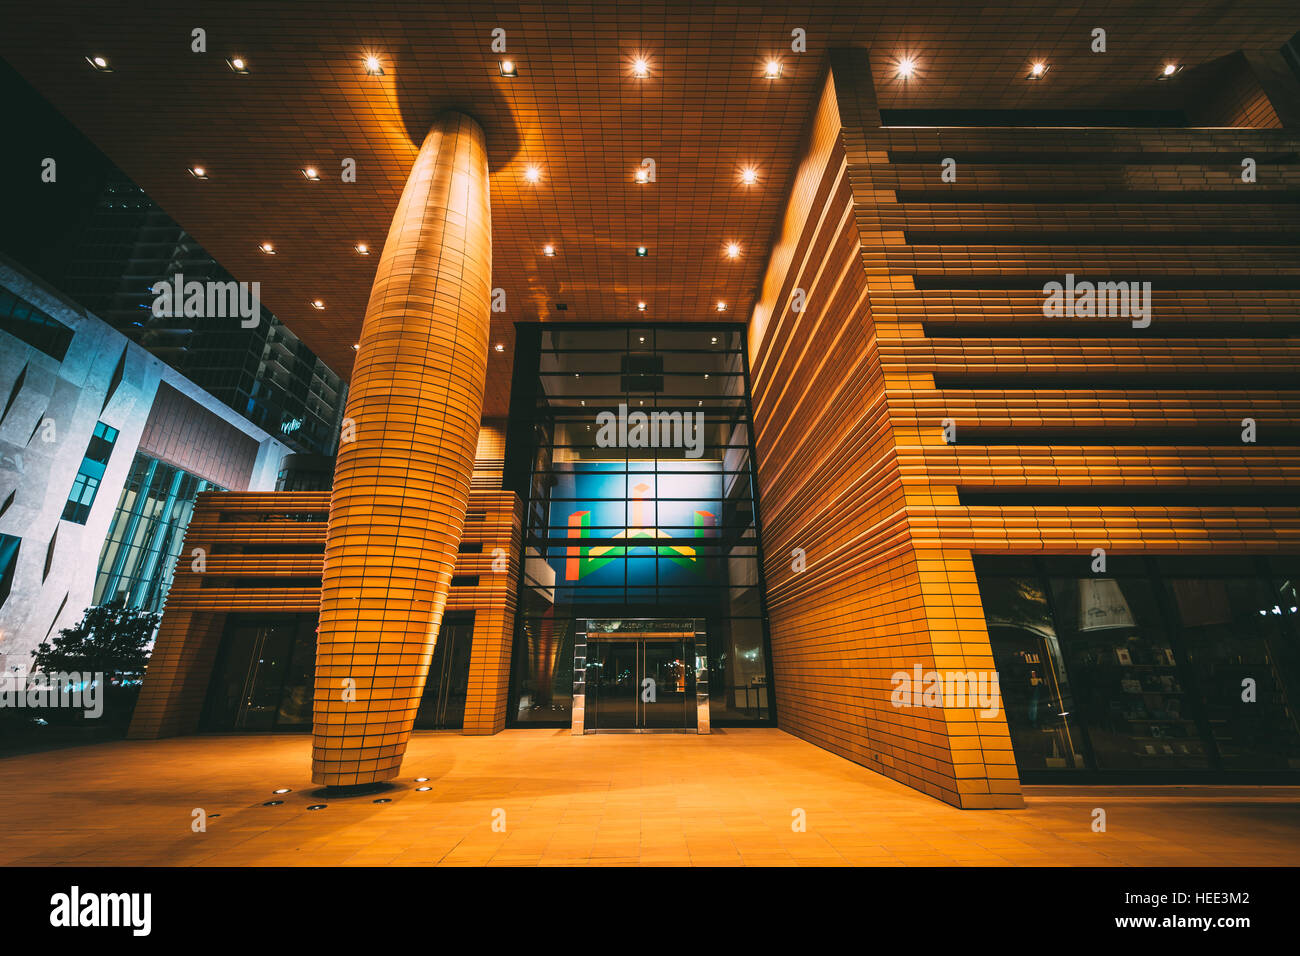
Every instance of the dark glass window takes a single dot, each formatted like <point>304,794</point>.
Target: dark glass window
<point>1160,667</point>
<point>24,321</point>
<point>86,485</point>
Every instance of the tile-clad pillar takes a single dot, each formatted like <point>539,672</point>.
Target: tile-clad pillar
<point>402,484</point>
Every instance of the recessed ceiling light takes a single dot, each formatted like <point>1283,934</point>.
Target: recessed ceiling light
<point>499,347</point>
<point>641,67</point>
<point>548,250</point>
<point>772,69</point>
<point>311,173</point>
<point>421,779</point>
<point>199,172</point>
<point>362,249</point>
<point>99,63</point>
<point>509,68</point>
<point>382,800</point>
<point>373,66</point>
<point>422,789</point>
<point>283,790</point>
<point>317,304</point>
<point>640,306</point>
<point>642,251</point>
<point>749,175</point>
<point>722,307</point>
<point>266,249</point>
<point>906,67</point>
<point>733,250</point>
<point>237,63</point>
<point>1037,70</point>
<point>533,173</point>
<point>1169,70</point>
<point>318,806</point>
<point>273,803</point>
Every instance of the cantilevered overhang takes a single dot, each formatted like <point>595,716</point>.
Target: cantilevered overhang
<point>576,111</point>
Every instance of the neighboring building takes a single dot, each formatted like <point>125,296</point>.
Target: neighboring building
<point>103,450</point>
<point>126,245</point>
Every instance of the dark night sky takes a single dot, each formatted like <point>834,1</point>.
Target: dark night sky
<point>39,221</point>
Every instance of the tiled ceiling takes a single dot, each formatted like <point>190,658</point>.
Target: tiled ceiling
<point>576,110</point>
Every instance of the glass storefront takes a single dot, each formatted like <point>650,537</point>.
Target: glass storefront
<point>640,505</point>
<point>263,678</point>
<point>1154,669</point>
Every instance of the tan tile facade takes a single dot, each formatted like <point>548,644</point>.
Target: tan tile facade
<point>923,310</point>
<point>237,534</point>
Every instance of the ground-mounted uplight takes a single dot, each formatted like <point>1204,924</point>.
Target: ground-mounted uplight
<point>533,174</point>
<point>99,63</point>
<point>199,172</point>
<point>772,69</point>
<point>1169,69</point>
<point>373,66</point>
<point>906,67</point>
<point>317,304</point>
<point>361,249</point>
<point>311,174</point>
<point>237,64</point>
<point>509,68</point>
<point>1038,70</point>
<point>548,250</point>
<point>266,249</point>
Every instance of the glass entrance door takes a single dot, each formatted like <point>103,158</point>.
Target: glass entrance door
<point>442,707</point>
<point>639,684</point>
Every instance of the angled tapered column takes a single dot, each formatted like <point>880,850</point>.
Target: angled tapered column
<point>402,483</point>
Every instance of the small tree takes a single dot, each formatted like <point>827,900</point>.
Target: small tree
<point>110,639</point>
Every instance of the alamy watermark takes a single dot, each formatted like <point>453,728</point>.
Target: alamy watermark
<point>176,298</point>
<point>1084,299</point>
<point>60,690</point>
<point>656,429</point>
<point>922,688</point>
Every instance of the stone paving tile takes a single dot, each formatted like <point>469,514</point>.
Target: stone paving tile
<point>648,800</point>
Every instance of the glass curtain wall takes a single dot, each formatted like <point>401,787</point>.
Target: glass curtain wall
<point>641,504</point>
<point>145,537</point>
<point>1156,667</point>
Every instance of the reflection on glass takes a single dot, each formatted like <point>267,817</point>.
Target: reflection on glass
<point>1243,655</point>
<point>1034,683</point>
